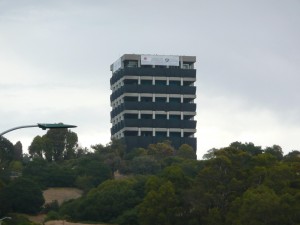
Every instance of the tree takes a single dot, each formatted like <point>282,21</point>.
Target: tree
<point>55,145</point>
<point>257,206</point>
<point>6,150</point>
<point>159,207</point>
<point>187,152</point>
<point>16,167</point>
<point>37,147</point>
<point>247,147</point>
<point>161,149</point>
<point>105,203</point>
<point>71,145</point>
<point>176,176</point>
<point>293,156</point>
<point>276,151</point>
<point>57,138</point>
<point>90,172</point>
<point>22,196</point>
<point>6,156</point>
<point>111,154</point>
<point>135,152</point>
<point>145,165</point>
<point>210,154</point>
<point>18,151</point>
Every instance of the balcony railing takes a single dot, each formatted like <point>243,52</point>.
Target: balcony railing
<point>154,106</point>
<point>135,88</point>
<point>155,123</point>
<point>157,72</point>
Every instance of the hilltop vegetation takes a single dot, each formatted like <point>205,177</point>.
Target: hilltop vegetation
<point>238,184</point>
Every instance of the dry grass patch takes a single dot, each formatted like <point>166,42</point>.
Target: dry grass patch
<point>56,194</point>
<point>61,194</point>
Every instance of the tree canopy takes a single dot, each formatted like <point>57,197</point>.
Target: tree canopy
<point>238,184</point>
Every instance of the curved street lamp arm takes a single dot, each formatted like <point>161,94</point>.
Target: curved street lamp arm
<point>43,126</point>
<point>15,128</point>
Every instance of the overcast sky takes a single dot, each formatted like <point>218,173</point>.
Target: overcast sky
<point>55,61</point>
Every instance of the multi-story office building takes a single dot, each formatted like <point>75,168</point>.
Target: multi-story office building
<point>153,99</point>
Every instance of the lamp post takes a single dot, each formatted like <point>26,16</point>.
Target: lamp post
<point>43,126</point>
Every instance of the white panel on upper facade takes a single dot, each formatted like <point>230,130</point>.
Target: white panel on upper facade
<point>160,60</point>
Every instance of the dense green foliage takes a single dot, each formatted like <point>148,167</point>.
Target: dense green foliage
<point>22,196</point>
<point>241,184</point>
<point>19,220</point>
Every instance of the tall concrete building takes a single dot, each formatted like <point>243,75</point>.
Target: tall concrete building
<point>153,100</point>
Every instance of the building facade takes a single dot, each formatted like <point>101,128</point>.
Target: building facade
<point>153,100</point>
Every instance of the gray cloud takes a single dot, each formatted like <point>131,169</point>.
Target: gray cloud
<point>55,58</point>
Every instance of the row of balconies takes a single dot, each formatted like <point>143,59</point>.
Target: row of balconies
<point>135,88</point>
<point>154,123</point>
<point>153,106</point>
<point>157,72</point>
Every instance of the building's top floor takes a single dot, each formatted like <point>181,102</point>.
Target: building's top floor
<point>153,61</point>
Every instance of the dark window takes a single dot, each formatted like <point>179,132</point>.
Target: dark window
<point>146,116</point>
<point>175,100</point>
<point>146,99</point>
<point>146,133</point>
<point>161,116</point>
<point>187,83</point>
<point>131,116</point>
<point>131,99</point>
<point>146,82</point>
<point>160,134</point>
<point>131,81</point>
<point>188,100</point>
<point>188,117</point>
<point>130,63</point>
<point>131,133</point>
<point>174,117</point>
<point>188,134</point>
<point>174,83</point>
<point>161,82</point>
<point>187,65</point>
<point>175,134</point>
<point>160,99</point>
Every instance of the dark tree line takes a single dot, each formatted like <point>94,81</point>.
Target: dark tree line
<point>239,184</point>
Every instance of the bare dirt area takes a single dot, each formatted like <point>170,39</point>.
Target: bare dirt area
<point>61,194</point>
<point>37,219</point>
